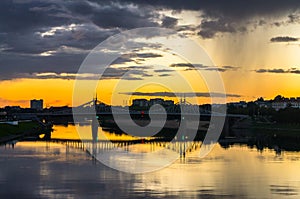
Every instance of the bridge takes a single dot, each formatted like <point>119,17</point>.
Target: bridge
<point>105,113</point>
<point>95,106</point>
<point>100,108</point>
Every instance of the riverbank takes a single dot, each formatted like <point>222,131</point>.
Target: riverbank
<point>9,132</point>
<point>277,128</point>
<point>250,127</point>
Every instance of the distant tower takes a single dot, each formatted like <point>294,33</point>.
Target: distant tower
<point>183,100</point>
<point>95,100</point>
<point>95,121</point>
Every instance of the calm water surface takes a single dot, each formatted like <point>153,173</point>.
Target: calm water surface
<point>53,170</point>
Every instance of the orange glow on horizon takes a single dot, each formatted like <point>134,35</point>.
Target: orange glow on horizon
<point>56,92</point>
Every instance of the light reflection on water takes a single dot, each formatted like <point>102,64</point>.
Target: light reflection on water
<point>70,132</point>
<point>51,170</point>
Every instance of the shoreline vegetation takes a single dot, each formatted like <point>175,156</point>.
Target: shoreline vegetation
<point>247,127</point>
<point>254,127</point>
<point>9,132</point>
<point>272,135</point>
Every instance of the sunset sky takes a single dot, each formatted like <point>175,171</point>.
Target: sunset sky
<point>255,45</point>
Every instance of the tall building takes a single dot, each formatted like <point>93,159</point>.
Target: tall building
<point>36,104</point>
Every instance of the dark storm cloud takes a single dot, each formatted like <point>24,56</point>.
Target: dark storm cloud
<point>229,16</point>
<point>279,71</point>
<point>147,75</point>
<point>284,39</point>
<point>295,71</point>
<point>293,18</point>
<point>122,18</point>
<point>22,17</point>
<point>222,68</point>
<point>135,58</point>
<point>230,67</point>
<point>122,60</point>
<point>290,19</point>
<point>210,28</point>
<point>15,66</point>
<point>216,69</point>
<point>235,9</point>
<point>110,73</point>
<point>188,66</point>
<point>66,30</point>
<point>147,55</point>
<point>186,94</point>
<point>165,75</point>
<point>169,22</point>
<point>270,71</point>
<point>163,71</point>
<point>127,73</point>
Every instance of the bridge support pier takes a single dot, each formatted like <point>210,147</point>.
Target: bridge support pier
<point>226,129</point>
<point>47,136</point>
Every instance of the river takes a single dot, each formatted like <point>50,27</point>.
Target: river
<point>40,169</point>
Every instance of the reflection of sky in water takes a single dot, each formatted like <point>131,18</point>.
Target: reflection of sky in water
<point>49,170</point>
<point>70,132</point>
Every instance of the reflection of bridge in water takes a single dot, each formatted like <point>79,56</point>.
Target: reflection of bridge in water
<point>94,148</point>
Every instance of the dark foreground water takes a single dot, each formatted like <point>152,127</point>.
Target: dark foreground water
<point>52,170</point>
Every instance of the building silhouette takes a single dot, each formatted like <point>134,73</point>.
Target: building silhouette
<point>36,104</point>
